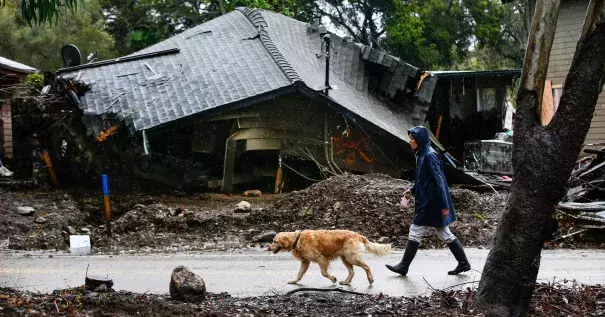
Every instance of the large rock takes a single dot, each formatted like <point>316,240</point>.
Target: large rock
<point>265,237</point>
<point>242,207</point>
<point>26,211</point>
<point>186,285</point>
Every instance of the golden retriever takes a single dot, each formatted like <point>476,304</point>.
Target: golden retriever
<point>323,246</point>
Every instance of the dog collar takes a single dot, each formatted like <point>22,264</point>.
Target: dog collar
<point>296,241</point>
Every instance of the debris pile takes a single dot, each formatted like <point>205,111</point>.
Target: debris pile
<point>161,227</point>
<point>548,300</point>
<point>38,220</point>
<point>581,214</point>
<point>149,228</point>
<point>370,204</point>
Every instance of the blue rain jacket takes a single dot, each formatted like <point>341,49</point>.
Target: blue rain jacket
<point>430,190</point>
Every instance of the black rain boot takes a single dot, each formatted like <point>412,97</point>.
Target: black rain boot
<point>458,252</point>
<point>408,256</point>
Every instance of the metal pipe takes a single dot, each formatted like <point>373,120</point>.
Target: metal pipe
<point>145,146</point>
<point>106,204</point>
<point>278,177</point>
<point>326,144</point>
<point>327,83</point>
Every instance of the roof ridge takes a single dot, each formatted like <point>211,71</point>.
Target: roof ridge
<point>258,21</point>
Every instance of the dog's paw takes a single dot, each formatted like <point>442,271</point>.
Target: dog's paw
<point>344,283</point>
<point>293,282</point>
<point>334,280</point>
<point>371,280</point>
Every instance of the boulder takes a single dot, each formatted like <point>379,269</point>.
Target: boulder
<point>243,207</point>
<point>103,288</point>
<point>384,240</point>
<point>26,211</point>
<point>72,231</point>
<point>186,285</point>
<point>265,237</point>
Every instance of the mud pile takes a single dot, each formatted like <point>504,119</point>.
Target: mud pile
<point>158,227</point>
<point>38,220</point>
<point>369,204</point>
<point>548,300</point>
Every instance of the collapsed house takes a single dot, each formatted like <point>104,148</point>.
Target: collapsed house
<point>250,89</point>
<point>254,93</point>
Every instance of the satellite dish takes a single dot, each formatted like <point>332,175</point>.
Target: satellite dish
<point>71,55</point>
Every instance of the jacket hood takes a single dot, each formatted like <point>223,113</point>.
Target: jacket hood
<point>421,135</point>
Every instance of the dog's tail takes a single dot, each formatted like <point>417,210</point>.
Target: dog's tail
<point>377,248</point>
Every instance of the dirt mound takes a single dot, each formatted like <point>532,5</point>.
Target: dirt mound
<point>47,225</point>
<point>157,227</point>
<point>369,204</point>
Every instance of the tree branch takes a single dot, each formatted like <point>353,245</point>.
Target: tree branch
<point>340,21</point>
<point>536,60</point>
<point>305,289</point>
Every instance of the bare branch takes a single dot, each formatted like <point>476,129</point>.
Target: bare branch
<point>340,21</point>
<point>340,290</point>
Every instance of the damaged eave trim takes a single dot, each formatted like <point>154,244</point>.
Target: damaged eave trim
<point>487,73</point>
<point>124,59</point>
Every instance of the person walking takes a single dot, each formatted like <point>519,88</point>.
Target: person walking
<point>434,208</point>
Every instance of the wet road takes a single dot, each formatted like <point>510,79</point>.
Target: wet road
<point>254,272</point>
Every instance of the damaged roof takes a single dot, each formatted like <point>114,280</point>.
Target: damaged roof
<point>234,60</point>
<point>10,65</point>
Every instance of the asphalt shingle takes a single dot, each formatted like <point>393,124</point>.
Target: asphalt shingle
<point>237,56</point>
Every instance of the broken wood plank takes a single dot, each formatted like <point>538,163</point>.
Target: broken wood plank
<point>309,289</point>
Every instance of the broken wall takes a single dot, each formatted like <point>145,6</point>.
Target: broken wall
<point>6,128</point>
<point>472,109</point>
<point>306,133</point>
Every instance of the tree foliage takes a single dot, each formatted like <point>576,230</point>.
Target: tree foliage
<point>433,33</point>
<point>446,34</point>
<point>40,46</point>
<point>40,12</point>
<point>136,24</point>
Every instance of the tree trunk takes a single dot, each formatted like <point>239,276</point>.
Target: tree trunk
<point>543,159</point>
<point>221,5</point>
